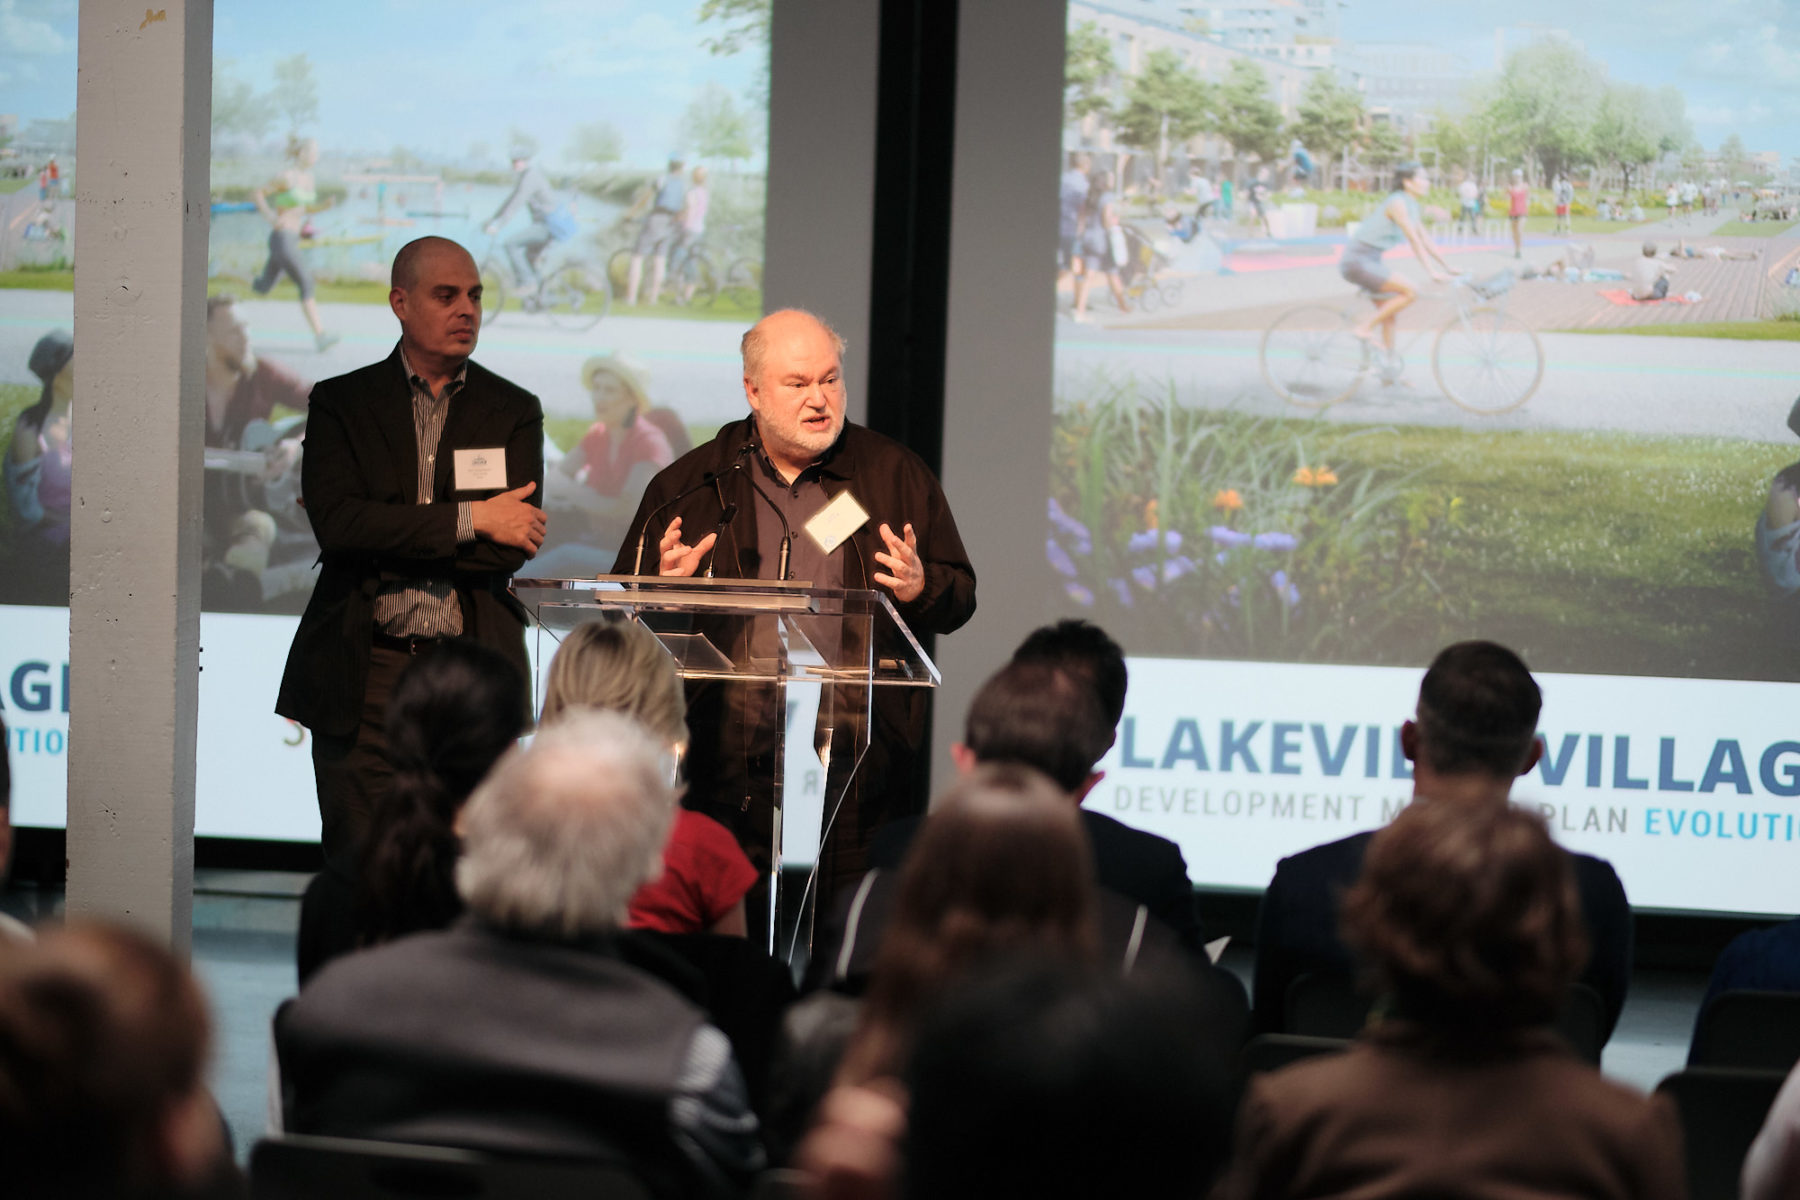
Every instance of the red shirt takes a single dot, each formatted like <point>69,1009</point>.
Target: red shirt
<point>641,441</point>
<point>705,874</point>
<point>1520,197</point>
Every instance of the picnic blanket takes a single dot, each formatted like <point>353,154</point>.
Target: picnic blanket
<point>1623,296</point>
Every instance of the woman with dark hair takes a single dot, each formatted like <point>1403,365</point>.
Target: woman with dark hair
<point>1469,922</point>
<point>453,713</point>
<point>38,466</point>
<point>1002,867</point>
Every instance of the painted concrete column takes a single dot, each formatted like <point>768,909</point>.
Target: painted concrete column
<point>144,109</point>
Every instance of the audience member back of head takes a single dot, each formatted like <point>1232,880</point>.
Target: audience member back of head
<point>1469,921</point>
<point>1039,1080</point>
<point>453,713</point>
<point>103,1046</point>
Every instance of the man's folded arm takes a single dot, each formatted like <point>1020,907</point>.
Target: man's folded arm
<point>345,519</point>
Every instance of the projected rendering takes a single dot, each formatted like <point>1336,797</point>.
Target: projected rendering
<point>1380,326</point>
<point>1575,439</point>
<point>605,166</point>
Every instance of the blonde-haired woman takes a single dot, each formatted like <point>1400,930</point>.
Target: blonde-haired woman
<point>284,202</point>
<point>621,667</point>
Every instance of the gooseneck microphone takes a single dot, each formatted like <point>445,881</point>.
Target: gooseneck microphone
<point>707,480</point>
<point>787,532</point>
<point>719,532</point>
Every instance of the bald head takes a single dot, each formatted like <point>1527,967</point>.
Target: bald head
<point>436,294</point>
<point>778,325</point>
<point>410,263</point>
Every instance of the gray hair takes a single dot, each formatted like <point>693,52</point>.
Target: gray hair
<point>563,832</point>
<point>755,343</point>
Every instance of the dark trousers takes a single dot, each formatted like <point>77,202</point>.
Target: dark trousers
<point>352,772</point>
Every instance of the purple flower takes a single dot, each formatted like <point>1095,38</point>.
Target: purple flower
<point>1060,561</point>
<point>1079,594</point>
<point>1224,535</point>
<point>1069,525</point>
<point>1171,540</point>
<point>1145,576</point>
<point>1176,567</point>
<point>1121,589</point>
<point>1276,541</point>
<point>1284,587</point>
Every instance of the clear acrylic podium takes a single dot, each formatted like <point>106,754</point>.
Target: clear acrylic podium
<point>759,632</point>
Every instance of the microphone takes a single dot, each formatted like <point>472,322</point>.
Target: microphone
<point>787,532</point>
<point>718,532</point>
<point>707,480</point>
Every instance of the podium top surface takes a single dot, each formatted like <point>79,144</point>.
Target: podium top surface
<point>808,613</point>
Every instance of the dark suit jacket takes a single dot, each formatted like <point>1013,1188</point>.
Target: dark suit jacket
<point>359,481</point>
<point>1297,926</point>
<point>1139,866</point>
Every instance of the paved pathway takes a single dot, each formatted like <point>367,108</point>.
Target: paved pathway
<point>692,366</point>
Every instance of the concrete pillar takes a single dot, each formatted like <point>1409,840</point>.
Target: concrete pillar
<point>144,109</point>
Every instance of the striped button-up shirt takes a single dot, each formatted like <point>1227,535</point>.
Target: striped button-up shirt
<point>427,608</point>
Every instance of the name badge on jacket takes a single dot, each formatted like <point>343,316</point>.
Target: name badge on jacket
<point>481,470</point>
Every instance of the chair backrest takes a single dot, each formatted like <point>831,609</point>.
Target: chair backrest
<point>1722,1110</point>
<point>1582,1022</point>
<point>295,1167</point>
<point>1754,1030</point>
<point>1273,1051</point>
<point>1325,1004</point>
<point>1328,1004</point>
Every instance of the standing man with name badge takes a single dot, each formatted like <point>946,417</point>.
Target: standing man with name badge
<point>418,478</point>
<point>857,510</point>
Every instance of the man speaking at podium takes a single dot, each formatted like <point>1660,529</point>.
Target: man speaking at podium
<point>855,510</point>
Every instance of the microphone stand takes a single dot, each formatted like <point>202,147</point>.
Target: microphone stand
<point>706,481</point>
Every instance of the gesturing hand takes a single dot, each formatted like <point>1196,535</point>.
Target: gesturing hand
<point>508,520</point>
<point>902,558</point>
<point>679,558</point>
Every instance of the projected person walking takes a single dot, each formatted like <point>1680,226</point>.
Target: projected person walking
<point>1396,220</point>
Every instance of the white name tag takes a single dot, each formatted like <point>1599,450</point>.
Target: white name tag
<point>836,521</point>
<point>481,470</point>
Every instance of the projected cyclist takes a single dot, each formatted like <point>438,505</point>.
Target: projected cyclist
<point>1397,219</point>
<point>526,247</point>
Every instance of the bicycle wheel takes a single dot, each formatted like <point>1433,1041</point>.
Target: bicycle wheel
<point>493,291</point>
<point>574,299</point>
<point>697,280</point>
<point>741,287</point>
<point>1171,293</point>
<point>1487,361</point>
<point>1310,358</point>
<point>1148,299</point>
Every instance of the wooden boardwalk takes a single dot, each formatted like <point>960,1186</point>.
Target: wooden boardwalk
<point>1730,290</point>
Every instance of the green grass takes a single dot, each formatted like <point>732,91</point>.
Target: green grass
<point>38,279</point>
<point>1585,551</point>
<point>1588,552</point>
<point>362,291</point>
<point>1752,228</point>
<point>1738,331</point>
<point>9,186</point>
